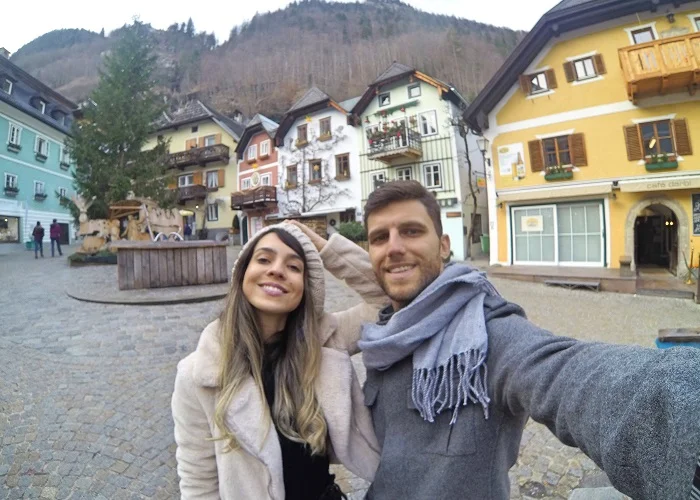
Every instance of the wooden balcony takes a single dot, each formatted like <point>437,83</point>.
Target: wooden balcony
<point>389,146</point>
<point>260,197</point>
<point>662,66</point>
<point>199,156</point>
<point>193,192</point>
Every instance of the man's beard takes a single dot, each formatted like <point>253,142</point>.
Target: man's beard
<point>429,273</point>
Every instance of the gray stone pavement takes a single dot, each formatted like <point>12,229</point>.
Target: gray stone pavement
<point>85,388</point>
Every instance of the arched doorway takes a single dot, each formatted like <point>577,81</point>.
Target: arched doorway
<point>656,235</point>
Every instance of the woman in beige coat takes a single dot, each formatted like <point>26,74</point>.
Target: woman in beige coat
<point>270,395</point>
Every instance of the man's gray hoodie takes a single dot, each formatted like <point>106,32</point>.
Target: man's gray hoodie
<point>634,411</point>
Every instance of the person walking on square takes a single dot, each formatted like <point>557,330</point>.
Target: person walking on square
<point>55,233</point>
<point>270,398</point>
<point>38,235</point>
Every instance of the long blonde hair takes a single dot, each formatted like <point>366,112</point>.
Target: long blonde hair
<point>296,410</point>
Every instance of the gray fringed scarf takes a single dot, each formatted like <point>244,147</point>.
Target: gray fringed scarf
<point>445,330</point>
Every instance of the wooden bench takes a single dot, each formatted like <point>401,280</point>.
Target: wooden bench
<point>586,284</point>
<point>147,264</point>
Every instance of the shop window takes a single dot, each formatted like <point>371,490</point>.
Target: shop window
<point>9,229</point>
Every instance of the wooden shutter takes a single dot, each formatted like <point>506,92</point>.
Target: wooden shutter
<point>569,71</point>
<point>577,148</point>
<point>633,142</point>
<point>525,84</point>
<point>190,143</point>
<point>197,178</point>
<point>200,142</point>
<point>551,79</point>
<point>599,64</point>
<point>536,155</point>
<point>682,137</point>
<point>217,138</point>
<point>222,175</point>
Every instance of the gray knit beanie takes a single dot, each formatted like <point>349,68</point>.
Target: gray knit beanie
<point>314,264</point>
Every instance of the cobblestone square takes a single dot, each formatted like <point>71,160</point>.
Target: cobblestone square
<point>85,388</point>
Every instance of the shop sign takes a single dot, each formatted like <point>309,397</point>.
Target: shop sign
<point>696,214</point>
<point>531,224</point>
<point>510,160</point>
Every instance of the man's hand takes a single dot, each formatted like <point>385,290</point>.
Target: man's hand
<point>317,240</point>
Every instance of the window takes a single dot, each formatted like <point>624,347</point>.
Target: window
<point>428,123</point>
<point>195,129</point>
<point>62,193</point>
<point>6,86</point>
<point>584,68</point>
<point>209,140</point>
<point>538,83</point>
<point>315,171</point>
<point>185,180</point>
<point>292,176</point>
<point>556,151</point>
<point>14,136</point>
<point>342,166</point>
<point>213,179</point>
<point>326,127</point>
<point>9,229</point>
<point>696,23</point>
<point>433,178</point>
<point>301,134</point>
<point>265,148</point>
<point>266,179</point>
<point>378,179</point>
<point>657,138</point>
<point>643,35</point>
<point>403,174</point>
<point>252,151</point>
<point>41,147</point>
<point>39,188</point>
<point>11,181</point>
<point>245,183</point>
<point>40,105</point>
<point>212,212</point>
<point>65,157</point>
<point>414,91</point>
<point>384,99</point>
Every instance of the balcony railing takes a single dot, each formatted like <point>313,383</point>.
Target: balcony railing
<point>192,192</point>
<point>396,142</point>
<point>662,66</point>
<point>260,197</point>
<point>199,156</point>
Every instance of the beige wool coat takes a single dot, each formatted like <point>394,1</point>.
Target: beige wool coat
<point>254,471</point>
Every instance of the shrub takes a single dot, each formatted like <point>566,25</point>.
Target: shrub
<point>354,231</point>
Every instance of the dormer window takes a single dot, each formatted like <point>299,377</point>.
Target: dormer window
<point>6,85</point>
<point>59,116</point>
<point>39,104</point>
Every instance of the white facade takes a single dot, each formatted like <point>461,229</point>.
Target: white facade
<point>327,169</point>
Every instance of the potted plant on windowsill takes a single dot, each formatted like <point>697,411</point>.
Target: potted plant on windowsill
<point>663,161</point>
<point>11,191</point>
<point>557,173</point>
<point>289,185</point>
<point>300,143</point>
<point>326,136</point>
<point>14,148</point>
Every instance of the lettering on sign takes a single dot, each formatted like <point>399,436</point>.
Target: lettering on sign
<point>654,186</point>
<point>531,224</point>
<point>696,214</point>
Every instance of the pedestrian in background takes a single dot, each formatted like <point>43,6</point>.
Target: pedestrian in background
<point>38,235</point>
<point>55,233</point>
<point>188,232</point>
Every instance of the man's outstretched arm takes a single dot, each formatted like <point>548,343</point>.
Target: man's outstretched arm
<point>633,411</point>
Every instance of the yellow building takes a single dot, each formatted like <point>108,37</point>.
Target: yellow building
<point>203,164</point>
<point>590,126</point>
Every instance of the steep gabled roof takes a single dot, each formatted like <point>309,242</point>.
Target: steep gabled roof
<point>193,111</point>
<point>313,96</point>
<point>313,100</point>
<point>257,124</point>
<point>396,72</point>
<point>567,15</point>
<point>348,104</point>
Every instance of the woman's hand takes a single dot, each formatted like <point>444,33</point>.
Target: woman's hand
<point>317,240</point>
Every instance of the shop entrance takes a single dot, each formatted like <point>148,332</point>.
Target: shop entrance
<point>656,239</point>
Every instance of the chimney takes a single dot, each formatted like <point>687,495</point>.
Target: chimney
<point>4,53</point>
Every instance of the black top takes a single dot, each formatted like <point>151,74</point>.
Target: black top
<point>306,477</point>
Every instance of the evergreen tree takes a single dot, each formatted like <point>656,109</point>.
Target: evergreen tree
<point>102,32</point>
<point>108,140</point>
<point>190,27</point>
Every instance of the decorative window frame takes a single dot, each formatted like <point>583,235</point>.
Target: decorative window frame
<point>12,125</point>
<point>252,152</point>
<point>424,167</point>
<point>13,184</point>
<point>379,99</point>
<point>266,177</point>
<point>265,148</point>
<point>245,183</point>
<point>9,90</point>
<point>42,188</point>
<point>437,124</point>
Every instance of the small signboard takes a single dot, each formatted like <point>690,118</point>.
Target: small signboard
<point>696,215</point>
<point>531,224</point>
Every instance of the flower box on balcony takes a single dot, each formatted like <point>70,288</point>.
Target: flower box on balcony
<point>558,175</point>
<point>290,185</point>
<point>325,137</point>
<point>41,157</point>
<point>11,191</point>
<point>14,148</point>
<point>64,165</point>
<point>40,196</point>
<point>666,162</point>
<point>300,143</point>
<point>263,157</point>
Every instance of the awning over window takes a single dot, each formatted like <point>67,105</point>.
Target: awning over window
<point>553,193</point>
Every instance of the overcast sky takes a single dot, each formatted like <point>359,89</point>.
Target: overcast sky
<point>220,16</point>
